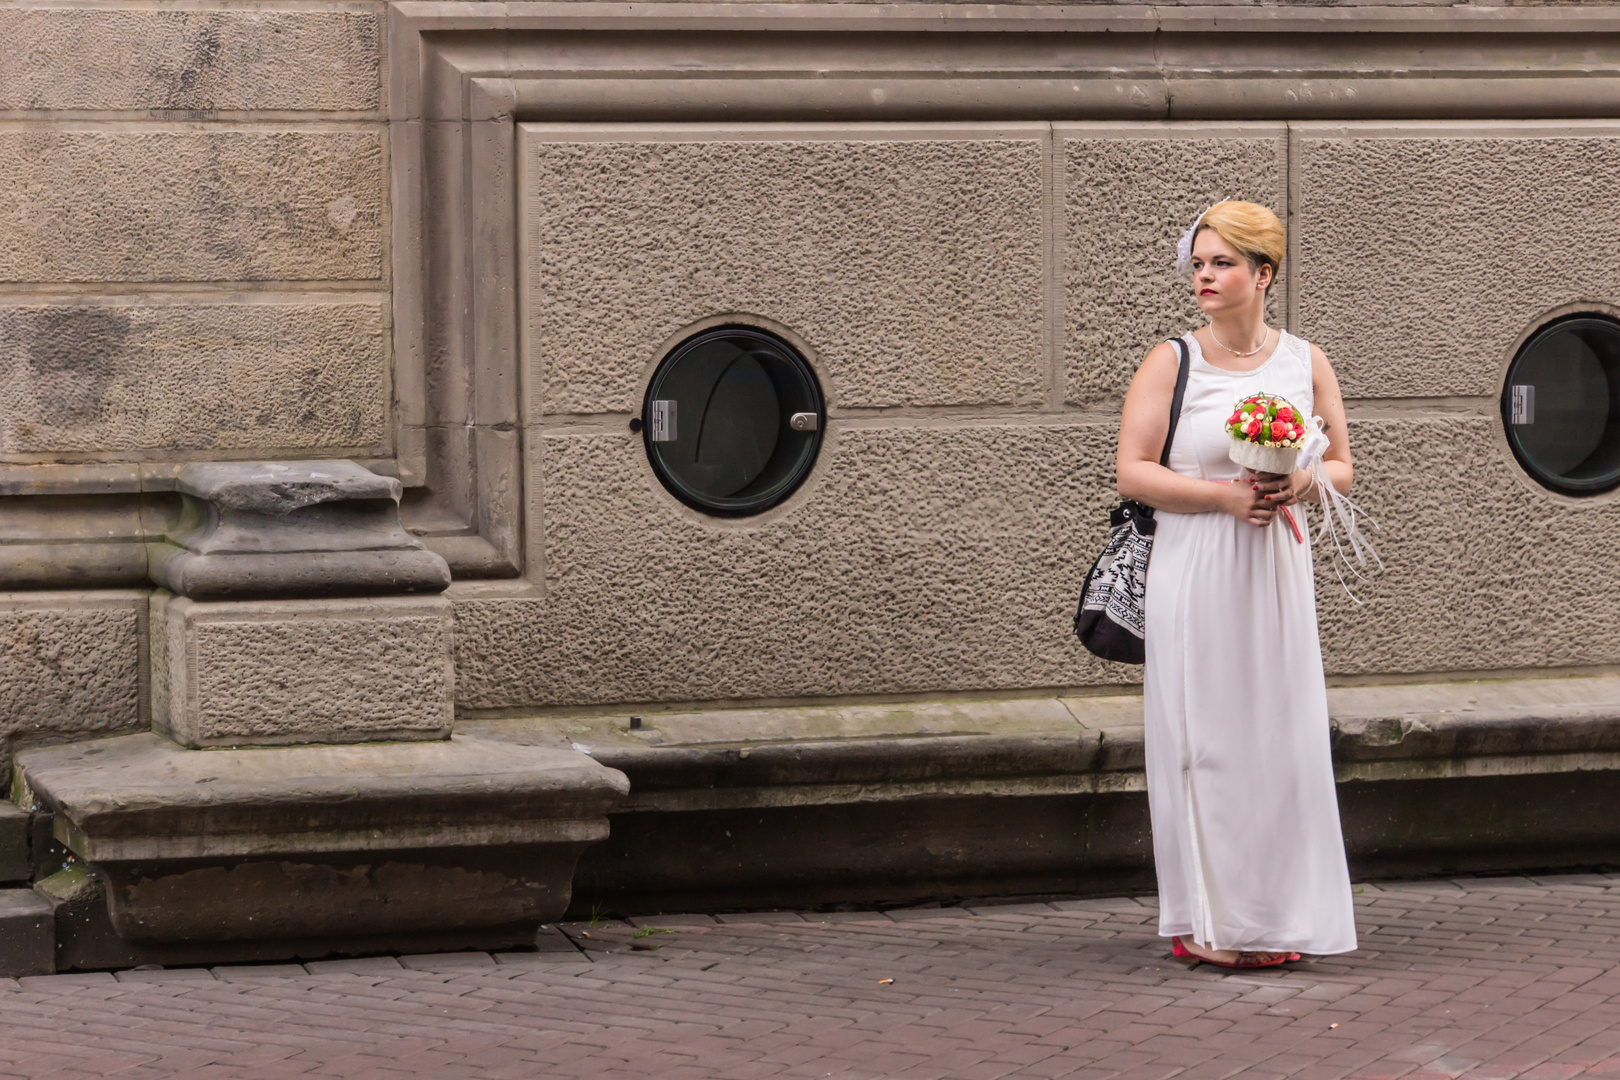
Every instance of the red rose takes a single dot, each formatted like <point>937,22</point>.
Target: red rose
<point>1285,414</point>
<point>1252,428</point>
<point>1237,414</point>
<point>1279,431</point>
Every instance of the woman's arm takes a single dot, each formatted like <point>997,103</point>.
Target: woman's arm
<point>1297,487</point>
<point>1143,422</point>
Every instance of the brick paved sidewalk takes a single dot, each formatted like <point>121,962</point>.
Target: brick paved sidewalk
<point>1489,978</point>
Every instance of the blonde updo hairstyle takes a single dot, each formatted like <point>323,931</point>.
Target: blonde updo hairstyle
<point>1253,231</point>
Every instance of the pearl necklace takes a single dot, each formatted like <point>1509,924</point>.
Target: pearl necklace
<point>1264,338</point>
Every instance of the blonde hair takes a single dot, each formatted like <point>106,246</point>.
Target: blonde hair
<point>1252,230</point>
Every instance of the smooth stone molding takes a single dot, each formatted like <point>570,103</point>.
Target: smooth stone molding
<point>1075,62</point>
<point>380,839</point>
<point>321,528</point>
<point>273,672</point>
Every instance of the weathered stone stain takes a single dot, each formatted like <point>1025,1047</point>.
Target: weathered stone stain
<point>75,354</point>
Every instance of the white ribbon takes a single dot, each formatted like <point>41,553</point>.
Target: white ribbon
<point>1336,505</point>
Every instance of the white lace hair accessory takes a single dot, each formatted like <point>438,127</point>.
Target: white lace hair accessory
<point>1184,245</point>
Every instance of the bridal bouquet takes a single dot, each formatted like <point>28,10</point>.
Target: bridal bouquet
<point>1269,435</point>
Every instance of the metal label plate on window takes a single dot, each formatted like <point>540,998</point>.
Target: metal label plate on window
<point>1524,404</point>
<point>662,427</point>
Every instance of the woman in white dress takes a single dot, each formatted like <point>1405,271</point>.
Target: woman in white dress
<point>1246,837</point>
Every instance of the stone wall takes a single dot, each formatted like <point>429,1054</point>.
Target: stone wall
<point>972,391</point>
<point>209,210</point>
<point>196,263</point>
<point>195,267</point>
<point>1426,255</point>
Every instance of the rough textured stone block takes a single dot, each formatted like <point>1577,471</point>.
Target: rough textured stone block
<point>140,58</point>
<point>301,671</point>
<point>918,558</point>
<point>27,934</point>
<point>186,376</point>
<point>191,204</point>
<point>1483,569</point>
<point>909,260</point>
<point>70,664</point>
<point>1131,190</point>
<point>1404,235</point>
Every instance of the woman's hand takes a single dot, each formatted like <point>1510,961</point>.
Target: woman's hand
<point>1244,501</point>
<point>1282,490</point>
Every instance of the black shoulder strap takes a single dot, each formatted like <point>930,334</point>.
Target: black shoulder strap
<point>1175,402</point>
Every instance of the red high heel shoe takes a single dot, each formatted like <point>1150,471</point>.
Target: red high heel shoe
<point>1180,952</point>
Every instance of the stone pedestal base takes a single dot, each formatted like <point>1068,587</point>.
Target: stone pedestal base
<point>324,842</point>
<point>274,672</point>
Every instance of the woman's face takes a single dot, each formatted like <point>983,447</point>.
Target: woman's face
<point>1223,280</point>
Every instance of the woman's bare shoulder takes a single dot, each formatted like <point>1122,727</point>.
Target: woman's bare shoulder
<point>1159,365</point>
<point>1320,368</point>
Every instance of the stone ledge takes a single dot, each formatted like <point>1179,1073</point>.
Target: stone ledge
<point>291,844</point>
<point>899,803</point>
<point>807,755</point>
<point>142,797</point>
<point>1513,718</point>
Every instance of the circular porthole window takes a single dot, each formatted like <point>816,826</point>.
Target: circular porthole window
<point>1561,405</point>
<point>733,420</point>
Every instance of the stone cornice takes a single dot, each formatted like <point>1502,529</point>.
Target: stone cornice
<point>1005,18</point>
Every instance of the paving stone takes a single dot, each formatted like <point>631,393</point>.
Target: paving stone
<point>366,965</point>
<point>1073,989</point>
<point>447,961</point>
<point>759,917</point>
<point>244,972</point>
<point>163,975</point>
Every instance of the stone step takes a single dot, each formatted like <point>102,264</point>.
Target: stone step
<point>905,801</point>
<point>14,861</point>
<point>27,934</point>
<point>723,759</point>
<point>312,850</point>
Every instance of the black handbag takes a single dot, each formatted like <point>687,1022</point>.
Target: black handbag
<point>1111,619</point>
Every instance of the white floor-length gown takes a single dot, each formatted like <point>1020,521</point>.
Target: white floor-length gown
<point>1246,834</point>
